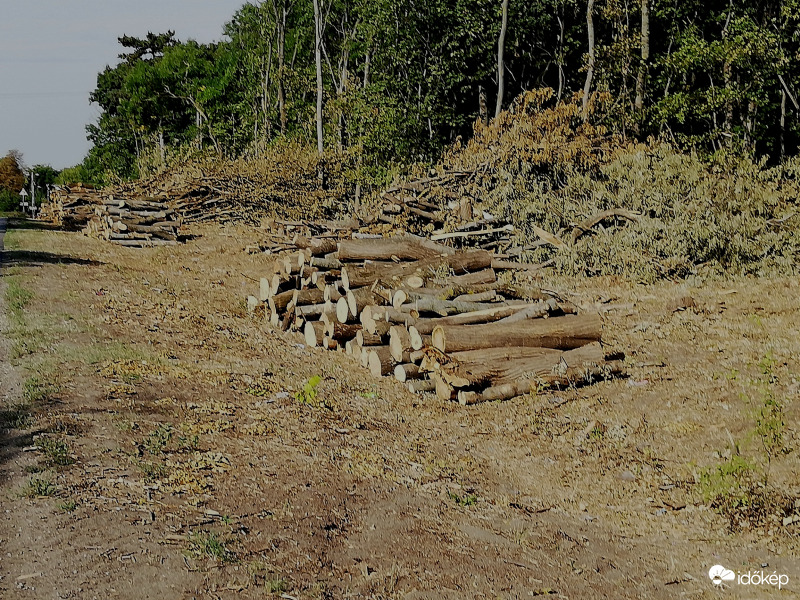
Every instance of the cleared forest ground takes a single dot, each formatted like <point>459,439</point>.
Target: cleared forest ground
<point>156,446</point>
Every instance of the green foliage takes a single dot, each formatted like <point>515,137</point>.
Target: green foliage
<point>38,487</point>
<point>17,297</point>
<point>308,395</point>
<point>727,484</point>
<point>36,390</point>
<point>55,450</point>
<point>465,500</point>
<point>68,505</point>
<point>207,544</point>
<point>11,176</point>
<point>157,440</point>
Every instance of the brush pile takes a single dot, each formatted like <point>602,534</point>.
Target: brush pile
<point>435,318</point>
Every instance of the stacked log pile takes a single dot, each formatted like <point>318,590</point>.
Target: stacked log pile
<point>435,318</point>
<point>127,222</point>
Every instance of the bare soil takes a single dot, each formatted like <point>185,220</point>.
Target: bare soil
<point>196,472</point>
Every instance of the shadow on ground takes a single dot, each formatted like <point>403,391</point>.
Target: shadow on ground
<point>24,258</point>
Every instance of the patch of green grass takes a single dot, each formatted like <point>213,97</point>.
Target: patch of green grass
<point>37,391</point>
<point>726,484</point>
<point>17,297</point>
<point>152,471</point>
<point>465,500</point>
<point>276,585</point>
<point>38,487</point>
<point>93,354</point>
<point>68,505</point>
<point>207,544</point>
<point>157,440</point>
<point>16,416</point>
<point>55,451</point>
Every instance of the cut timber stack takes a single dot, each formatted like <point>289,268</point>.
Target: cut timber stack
<point>128,222</point>
<point>435,318</point>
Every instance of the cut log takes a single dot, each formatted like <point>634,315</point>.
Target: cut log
<point>399,342</point>
<point>575,376</point>
<point>427,304</point>
<point>357,300</point>
<point>313,332</point>
<point>496,366</point>
<point>406,372</point>
<point>365,338</point>
<point>420,386</point>
<point>264,289</point>
<point>478,277</point>
<point>341,332</point>
<point>563,333</point>
<point>487,296</point>
<point>406,247</point>
<point>425,326</point>
<point>380,361</point>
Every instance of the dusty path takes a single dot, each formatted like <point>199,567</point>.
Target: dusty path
<point>197,474</point>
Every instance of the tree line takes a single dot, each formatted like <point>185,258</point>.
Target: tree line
<point>388,82</point>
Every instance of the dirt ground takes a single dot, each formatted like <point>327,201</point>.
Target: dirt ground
<point>152,445</point>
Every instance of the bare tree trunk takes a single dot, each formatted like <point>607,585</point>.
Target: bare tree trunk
<point>640,79</point>
<point>483,110</point>
<point>501,67</point>
<point>366,68</point>
<point>560,59</point>
<point>587,87</point>
<point>783,125</point>
<point>318,60</point>
<point>281,22</point>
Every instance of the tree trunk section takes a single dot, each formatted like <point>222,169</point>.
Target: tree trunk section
<point>563,333</point>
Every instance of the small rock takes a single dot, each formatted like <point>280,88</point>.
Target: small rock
<point>626,475</point>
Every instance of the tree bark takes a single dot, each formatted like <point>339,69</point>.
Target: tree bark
<point>587,86</point>
<point>318,62</point>
<point>640,79</point>
<point>562,333</point>
<point>501,66</point>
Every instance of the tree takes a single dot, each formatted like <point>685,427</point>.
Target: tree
<point>501,66</point>
<point>11,176</point>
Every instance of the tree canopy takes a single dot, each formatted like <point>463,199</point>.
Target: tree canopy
<point>403,78</point>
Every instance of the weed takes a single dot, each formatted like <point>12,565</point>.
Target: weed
<point>767,366</point>
<point>276,585</point>
<point>55,450</point>
<point>36,391</point>
<point>308,395</point>
<point>726,484</point>
<point>188,442</point>
<point>38,487</point>
<point>465,500</point>
<point>16,416</point>
<point>152,471</point>
<point>157,440</point>
<point>68,505</point>
<point>769,428</point>
<point>17,298</point>
<point>208,544</point>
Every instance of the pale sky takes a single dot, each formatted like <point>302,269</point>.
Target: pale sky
<point>52,50</point>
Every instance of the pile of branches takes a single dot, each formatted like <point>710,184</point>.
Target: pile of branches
<point>435,318</point>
